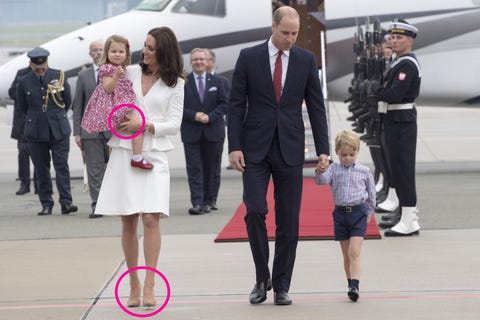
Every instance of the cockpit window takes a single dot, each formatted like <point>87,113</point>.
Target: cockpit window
<point>204,7</point>
<point>153,5</point>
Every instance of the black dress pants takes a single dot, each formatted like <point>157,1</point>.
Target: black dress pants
<point>288,183</point>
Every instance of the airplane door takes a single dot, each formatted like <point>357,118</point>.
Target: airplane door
<point>312,18</point>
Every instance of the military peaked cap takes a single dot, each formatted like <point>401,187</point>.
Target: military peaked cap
<point>38,56</point>
<point>400,26</point>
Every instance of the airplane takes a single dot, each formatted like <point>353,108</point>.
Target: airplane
<point>447,45</point>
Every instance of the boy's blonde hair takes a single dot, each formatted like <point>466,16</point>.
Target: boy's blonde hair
<point>348,138</point>
<point>119,39</point>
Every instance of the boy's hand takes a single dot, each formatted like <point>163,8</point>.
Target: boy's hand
<point>320,168</point>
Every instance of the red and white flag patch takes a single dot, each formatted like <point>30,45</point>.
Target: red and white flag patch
<point>402,76</point>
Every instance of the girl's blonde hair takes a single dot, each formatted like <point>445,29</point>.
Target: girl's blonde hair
<point>349,138</point>
<point>119,39</point>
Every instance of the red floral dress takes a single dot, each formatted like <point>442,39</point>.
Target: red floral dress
<point>101,103</point>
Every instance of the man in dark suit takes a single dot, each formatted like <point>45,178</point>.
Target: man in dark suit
<point>43,95</point>
<point>94,146</point>
<point>266,138</point>
<point>211,60</point>
<point>202,129</point>
<point>18,127</point>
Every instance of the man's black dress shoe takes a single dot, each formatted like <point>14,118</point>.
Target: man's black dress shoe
<point>213,206</point>
<point>23,189</point>
<point>196,210</point>
<point>353,294</point>
<point>281,298</point>
<point>395,214</point>
<point>389,223</point>
<point>207,209</point>
<point>391,233</point>
<point>381,196</point>
<point>380,210</point>
<point>94,216</point>
<point>45,211</point>
<point>66,209</point>
<point>259,292</point>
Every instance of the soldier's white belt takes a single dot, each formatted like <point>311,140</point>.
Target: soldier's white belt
<point>383,107</point>
<point>403,106</point>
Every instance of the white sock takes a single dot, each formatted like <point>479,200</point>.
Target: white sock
<point>137,157</point>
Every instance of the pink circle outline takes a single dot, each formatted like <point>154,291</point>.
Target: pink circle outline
<point>126,105</point>
<point>146,315</point>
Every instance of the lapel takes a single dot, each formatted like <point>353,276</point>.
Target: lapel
<point>91,75</point>
<point>137,86</point>
<point>193,87</point>
<point>208,84</point>
<point>51,75</point>
<point>290,77</point>
<point>266,72</point>
<point>48,76</point>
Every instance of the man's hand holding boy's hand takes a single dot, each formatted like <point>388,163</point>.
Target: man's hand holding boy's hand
<point>322,165</point>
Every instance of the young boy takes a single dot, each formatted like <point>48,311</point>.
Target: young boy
<point>353,191</point>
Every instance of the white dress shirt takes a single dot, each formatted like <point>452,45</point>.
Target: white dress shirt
<point>272,52</point>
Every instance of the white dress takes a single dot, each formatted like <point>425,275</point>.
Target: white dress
<point>126,190</point>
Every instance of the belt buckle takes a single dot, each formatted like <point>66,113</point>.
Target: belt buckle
<point>348,209</point>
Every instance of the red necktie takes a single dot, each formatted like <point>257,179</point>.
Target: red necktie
<point>277,76</point>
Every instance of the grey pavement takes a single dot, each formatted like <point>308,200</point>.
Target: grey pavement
<point>66,267</point>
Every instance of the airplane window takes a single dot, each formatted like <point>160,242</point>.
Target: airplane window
<point>153,5</point>
<point>204,7</point>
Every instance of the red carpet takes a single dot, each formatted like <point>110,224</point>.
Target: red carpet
<point>316,221</point>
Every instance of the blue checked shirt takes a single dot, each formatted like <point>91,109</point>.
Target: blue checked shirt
<point>351,185</point>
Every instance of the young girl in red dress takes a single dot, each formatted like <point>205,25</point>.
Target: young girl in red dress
<point>114,89</point>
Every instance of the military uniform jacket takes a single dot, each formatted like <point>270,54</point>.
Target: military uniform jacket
<point>18,125</point>
<point>43,125</point>
<point>402,85</point>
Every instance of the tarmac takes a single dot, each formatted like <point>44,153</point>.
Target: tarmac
<point>68,266</point>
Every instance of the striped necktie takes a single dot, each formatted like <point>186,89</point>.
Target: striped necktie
<point>201,88</point>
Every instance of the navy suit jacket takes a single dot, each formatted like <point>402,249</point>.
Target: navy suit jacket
<point>43,126</point>
<point>254,114</point>
<point>214,104</point>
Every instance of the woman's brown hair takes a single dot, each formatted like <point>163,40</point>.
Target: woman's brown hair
<point>168,55</point>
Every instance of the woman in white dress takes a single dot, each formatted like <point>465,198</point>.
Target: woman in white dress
<point>158,83</point>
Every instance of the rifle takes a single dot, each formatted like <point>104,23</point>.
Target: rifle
<point>368,71</point>
<point>373,136</point>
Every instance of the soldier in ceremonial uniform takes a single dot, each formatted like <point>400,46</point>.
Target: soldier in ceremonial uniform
<point>43,95</point>
<point>397,104</point>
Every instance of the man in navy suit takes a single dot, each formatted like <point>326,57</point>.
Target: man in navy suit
<point>43,96</point>
<point>266,138</point>
<point>202,130</point>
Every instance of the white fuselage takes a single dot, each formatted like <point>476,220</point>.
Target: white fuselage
<point>447,46</point>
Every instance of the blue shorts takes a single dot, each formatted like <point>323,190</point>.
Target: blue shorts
<point>349,224</point>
